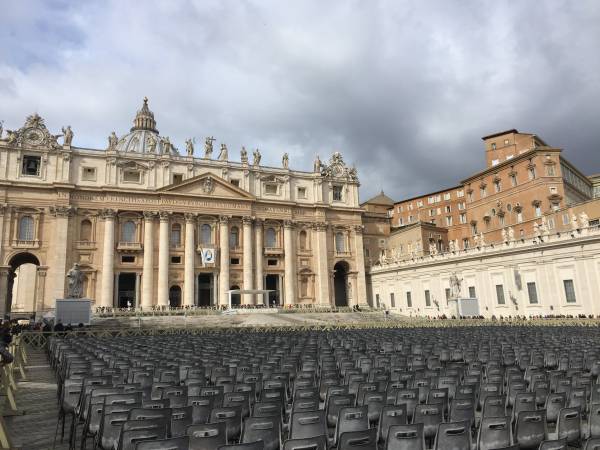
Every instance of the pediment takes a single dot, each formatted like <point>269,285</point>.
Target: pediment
<point>207,185</point>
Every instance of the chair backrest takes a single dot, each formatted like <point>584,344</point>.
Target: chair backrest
<point>569,425</point>
<point>430,416</point>
<point>130,438</point>
<point>178,443</point>
<point>405,437</point>
<point>462,409</point>
<point>315,443</point>
<point>267,409</point>
<point>559,444</point>
<point>494,432</point>
<point>335,403</point>
<point>232,416</point>
<point>266,429</point>
<point>409,397</point>
<point>351,419</point>
<point>524,401</point>
<point>181,418</point>
<point>592,444</point>
<point>390,415</point>
<point>251,446</point>
<point>554,403</point>
<point>207,436</point>
<point>364,439</point>
<point>308,424</point>
<point>494,406</point>
<point>453,436</point>
<point>530,429</point>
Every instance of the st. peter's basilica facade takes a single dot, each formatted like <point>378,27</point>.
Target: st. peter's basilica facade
<point>150,226</point>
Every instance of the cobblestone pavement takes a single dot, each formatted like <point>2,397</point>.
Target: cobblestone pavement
<point>34,430</point>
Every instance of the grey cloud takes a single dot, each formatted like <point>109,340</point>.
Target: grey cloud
<point>403,89</point>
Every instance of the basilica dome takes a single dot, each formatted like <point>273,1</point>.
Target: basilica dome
<point>143,136</point>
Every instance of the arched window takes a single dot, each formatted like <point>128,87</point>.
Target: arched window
<point>206,234</point>
<point>234,237</point>
<point>339,242</point>
<point>128,231</point>
<point>302,240</point>
<point>270,238</point>
<point>176,235</point>
<point>26,228</point>
<point>85,230</point>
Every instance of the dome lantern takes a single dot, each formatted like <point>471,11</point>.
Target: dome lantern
<point>144,119</point>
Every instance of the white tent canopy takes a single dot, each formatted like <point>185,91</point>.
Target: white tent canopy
<point>264,293</point>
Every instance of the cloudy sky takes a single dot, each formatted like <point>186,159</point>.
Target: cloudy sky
<point>404,89</point>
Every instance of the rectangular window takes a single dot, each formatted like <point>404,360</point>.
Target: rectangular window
<point>447,294</point>
<point>430,200</point>
<point>438,198</point>
<point>401,221</point>
<point>550,170</point>
<point>31,165</point>
<point>532,293</point>
<point>519,217</point>
<point>235,261</point>
<point>447,196</point>
<point>431,212</point>
<point>449,221</point>
<point>127,259</point>
<point>301,192</point>
<point>513,180</point>
<point>460,193</point>
<point>409,299</point>
<point>551,223</point>
<point>337,193</point>
<point>175,259</point>
<point>483,192</point>
<point>531,173</point>
<point>177,178</point>
<point>88,173</point>
<point>235,182</point>
<point>538,211</point>
<point>497,186</point>
<point>131,176</point>
<point>448,208</point>
<point>472,292</point>
<point>462,218</point>
<point>410,219</point>
<point>377,300</point>
<point>419,203</point>
<point>569,291</point>
<point>501,220</point>
<point>427,298</point>
<point>466,243</point>
<point>270,189</point>
<point>392,300</point>
<point>500,294</point>
<point>565,219</point>
<point>473,229</point>
<point>470,196</point>
<point>271,262</point>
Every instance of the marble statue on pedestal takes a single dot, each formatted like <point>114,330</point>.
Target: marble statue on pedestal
<point>75,282</point>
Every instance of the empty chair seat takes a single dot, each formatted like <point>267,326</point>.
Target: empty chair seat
<point>266,429</point>
<point>453,436</point>
<point>559,444</point>
<point>308,424</point>
<point>315,443</point>
<point>568,425</point>
<point>390,415</point>
<point>530,429</point>
<point>207,436</point>
<point>364,440</point>
<point>178,443</point>
<point>494,433</point>
<point>405,437</point>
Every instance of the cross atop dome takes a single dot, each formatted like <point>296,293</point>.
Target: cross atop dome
<point>144,119</point>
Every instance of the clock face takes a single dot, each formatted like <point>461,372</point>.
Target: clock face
<point>33,136</point>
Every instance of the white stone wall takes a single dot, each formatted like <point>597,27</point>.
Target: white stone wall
<point>547,263</point>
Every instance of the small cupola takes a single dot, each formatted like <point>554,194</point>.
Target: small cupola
<point>144,119</point>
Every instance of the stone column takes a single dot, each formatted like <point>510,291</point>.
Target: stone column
<point>259,252</point>
<point>248,299</point>
<point>58,253</point>
<point>163,260</point>
<point>321,255</point>
<point>148,265</point>
<point>108,258</point>
<point>189,256</point>
<point>40,289</point>
<point>5,272</point>
<point>290,263</point>
<point>223,259</point>
<point>359,257</point>
<point>3,210</point>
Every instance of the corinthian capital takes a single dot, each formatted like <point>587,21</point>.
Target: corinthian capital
<point>149,215</point>
<point>320,226</point>
<point>359,229</point>
<point>224,219</point>
<point>164,216</point>
<point>247,220</point>
<point>288,224</point>
<point>190,217</point>
<point>107,213</point>
<point>62,211</point>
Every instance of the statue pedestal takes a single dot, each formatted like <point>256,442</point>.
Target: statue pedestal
<point>73,311</point>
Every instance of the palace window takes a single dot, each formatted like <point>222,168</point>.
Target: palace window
<point>538,210</point>
<point>176,235</point>
<point>449,221</point>
<point>128,231</point>
<point>447,196</point>
<point>569,291</point>
<point>531,172</point>
<point>500,294</point>
<point>466,243</point>
<point>132,176</point>
<point>482,192</point>
<point>339,242</point>
<point>31,165</point>
<point>409,299</point>
<point>550,170</point>
<point>270,189</point>
<point>177,178</point>
<point>519,217</point>
<point>471,198</point>
<point>234,237</point>
<point>85,231</point>
<point>88,173</point>
<point>337,193</point>
<point>472,292</point>
<point>460,193</point>
<point>175,259</point>
<point>270,238</point>
<point>532,292</point>
<point>448,208</point>
<point>206,234</point>
<point>235,182</point>
<point>462,218</point>
<point>427,297</point>
<point>301,192</point>
<point>419,203</point>
<point>497,186</point>
<point>392,300</point>
<point>26,228</point>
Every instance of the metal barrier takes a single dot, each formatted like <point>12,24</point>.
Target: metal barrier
<point>8,386</point>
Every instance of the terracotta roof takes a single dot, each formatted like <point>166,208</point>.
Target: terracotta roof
<point>380,199</point>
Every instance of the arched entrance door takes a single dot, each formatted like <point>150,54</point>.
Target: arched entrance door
<point>340,283</point>
<point>236,299</point>
<point>21,283</point>
<point>175,297</point>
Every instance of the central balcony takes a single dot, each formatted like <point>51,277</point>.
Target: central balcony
<point>129,246</point>
<point>273,251</point>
